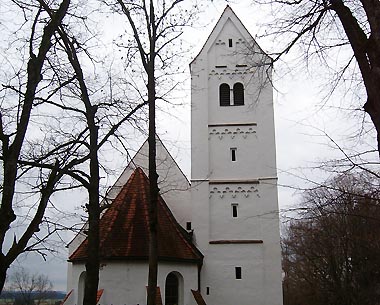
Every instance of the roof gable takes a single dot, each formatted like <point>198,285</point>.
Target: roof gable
<point>167,168</point>
<point>173,184</point>
<point>124,228</point>
<point>228,16</point>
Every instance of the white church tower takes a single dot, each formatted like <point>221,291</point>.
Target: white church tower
<point>233,159</point>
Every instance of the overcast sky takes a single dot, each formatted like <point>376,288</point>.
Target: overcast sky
<point>299,121</point>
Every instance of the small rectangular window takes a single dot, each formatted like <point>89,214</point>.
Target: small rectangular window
<point>230,43</point>
<point>234,210</point>
<point>238,273</point>
<point>233,154</point>
<point>207,290</point>
<point>188,226</point>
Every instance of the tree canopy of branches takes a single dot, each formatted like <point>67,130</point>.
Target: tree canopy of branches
<point>332,254</point>
<point>15,116</point>
<point>57,116</point>
<point>326,29</point>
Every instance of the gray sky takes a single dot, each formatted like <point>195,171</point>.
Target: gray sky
<point>300,122</point>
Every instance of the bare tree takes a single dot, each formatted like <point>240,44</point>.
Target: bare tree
<point>58,123</point>
<point>28,288</point>
<point>14,123</point>
<point>323,28</point>
<point>331,254</point>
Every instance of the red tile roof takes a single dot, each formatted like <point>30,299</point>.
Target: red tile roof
<point>99,295</point>
<point>67,296</point>
<point>124,228</point>
<point>198,297</point>
<point>158,295</point>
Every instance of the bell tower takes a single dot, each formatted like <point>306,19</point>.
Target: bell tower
<point>233,169</point>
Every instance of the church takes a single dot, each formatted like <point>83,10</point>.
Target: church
<point>218,235</point>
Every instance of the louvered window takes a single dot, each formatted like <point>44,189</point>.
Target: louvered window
<point>224,95</point>
<point>238,94</point>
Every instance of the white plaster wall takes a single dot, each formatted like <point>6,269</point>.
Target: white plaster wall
<point>261,263</point>
<point>124,283</point>
<point>201,214</point>
<point>251,200</point>
<point>69,281</point>
<point>261,279</point>
<point>199,153</point>
<point>254,158</point>
<point>250,129</point>
<point>199,115</point>
<point>72,281</point>
<point>224,54</point>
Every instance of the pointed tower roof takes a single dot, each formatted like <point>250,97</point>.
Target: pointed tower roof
<point>228,14</point>
<point>124,228</point>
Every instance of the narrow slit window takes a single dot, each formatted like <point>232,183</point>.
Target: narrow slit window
<point>188,226</point>
<point>238,273</point>
<point>207,290</point>
<point>238,94</point>
<point>234,210</point>
<point>224,95</point>
<point>230,43</point>
<point>233,154</point>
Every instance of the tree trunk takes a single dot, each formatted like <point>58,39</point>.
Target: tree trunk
<point>366,52</point>
<point>153,176</point>
<point>153,25</point>
<point>372,107</point>
<point>92,263</point>
<point>93,206</point>
<point>3,272</point>
<point>153,195</point>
